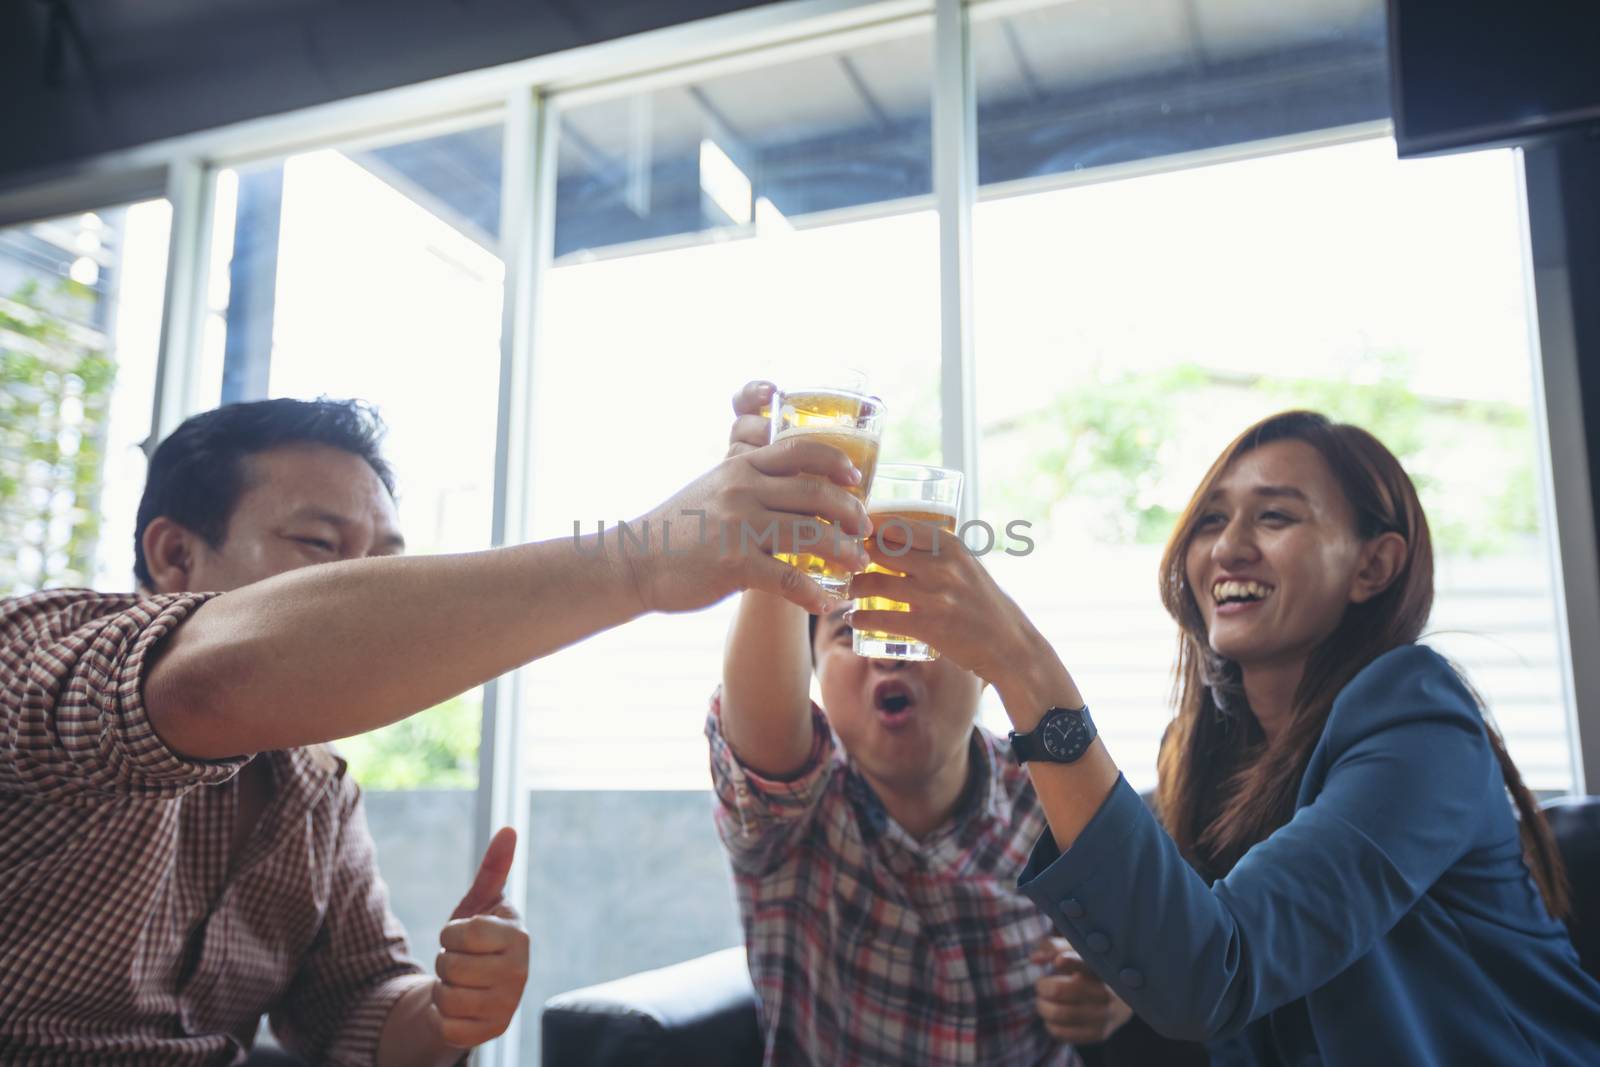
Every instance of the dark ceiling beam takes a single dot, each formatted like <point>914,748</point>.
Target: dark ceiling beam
<point>719,120</point>
<point>1199,51</point>
<point>1030,80</point>
<point>587,151</point>
<point>852,74</point>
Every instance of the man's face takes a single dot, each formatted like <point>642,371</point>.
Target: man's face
<point>902,722</point>
<point>302,504</point>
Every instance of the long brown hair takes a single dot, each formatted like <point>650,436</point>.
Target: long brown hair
<point>1222,787</point>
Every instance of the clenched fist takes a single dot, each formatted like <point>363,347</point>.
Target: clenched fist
<point>1074,1003</point>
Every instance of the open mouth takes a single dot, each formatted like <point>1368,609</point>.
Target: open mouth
<point>893,701</point>
<point>1238,595</point>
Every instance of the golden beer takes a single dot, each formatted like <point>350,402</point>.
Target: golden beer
<point>850,422</point>
<point>912,494</point>
<point>877,643</point>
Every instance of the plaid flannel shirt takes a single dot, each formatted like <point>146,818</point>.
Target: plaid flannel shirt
<point>870,947</point>
<point>129,931</point>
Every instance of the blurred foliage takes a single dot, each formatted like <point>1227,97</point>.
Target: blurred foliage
<point>1430,440</point>
<point>437,749</point>
<point>1105,445</point>
<point>913,434</point>
<point>1104,442</point>
<point>55,389</point>
<point>1382,403</point>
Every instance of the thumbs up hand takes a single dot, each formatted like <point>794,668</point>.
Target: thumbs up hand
<point>484,964</point>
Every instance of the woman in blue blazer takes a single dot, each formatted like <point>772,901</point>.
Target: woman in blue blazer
<point>1351,871</point>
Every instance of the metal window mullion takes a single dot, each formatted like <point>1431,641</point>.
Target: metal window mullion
<point>527,240</point>
<point>190,190</point>
<point>955,182</point>
<point>1568,498</point>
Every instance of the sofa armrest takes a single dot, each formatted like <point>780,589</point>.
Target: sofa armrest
<point>700,1013</point>
<point>1575,822</point>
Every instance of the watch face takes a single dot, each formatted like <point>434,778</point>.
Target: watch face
<point>1064,735</point>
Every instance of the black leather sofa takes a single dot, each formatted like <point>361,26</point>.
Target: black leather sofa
<point>703,1013</point>
<point>1575,821</point>
<point>696,1014</point>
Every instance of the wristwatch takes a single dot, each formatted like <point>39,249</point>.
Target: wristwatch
<point>1062,736</point>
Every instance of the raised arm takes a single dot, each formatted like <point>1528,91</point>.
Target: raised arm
<point>959,609</point>
<point>766,686</point>
<point>1195,961</point>
<point>1312,898</point>
<point>766,669</point>
<point>333,650</point>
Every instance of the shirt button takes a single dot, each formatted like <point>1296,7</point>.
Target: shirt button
<point>1071,909</point>
<point>1131,978</point>
<point>1098,942</point>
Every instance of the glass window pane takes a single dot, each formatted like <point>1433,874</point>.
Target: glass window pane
<point>1126,331</point>
<point>654,313</point>
<point>762,148</point>
<point>80,326</point>
<point>1067,87</point>
<point>375,273</point>
<point>699,322</point>
<point>804,300</point>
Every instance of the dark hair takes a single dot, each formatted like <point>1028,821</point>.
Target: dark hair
<point>198,473</point>
<point>1222,786</point>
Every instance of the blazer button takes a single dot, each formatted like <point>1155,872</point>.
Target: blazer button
<point>1131,978</point>
<point>1098,942</point>
<point>1071,909</point>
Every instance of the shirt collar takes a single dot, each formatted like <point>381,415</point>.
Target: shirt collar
<point>980,798</point>
<point>306,774</point>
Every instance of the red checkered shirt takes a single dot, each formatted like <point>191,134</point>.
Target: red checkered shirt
<point>868,946</point>
<point>129,931</point>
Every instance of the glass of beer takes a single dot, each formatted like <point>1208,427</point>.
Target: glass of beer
<point>911,494</point>
<point>849,421</point>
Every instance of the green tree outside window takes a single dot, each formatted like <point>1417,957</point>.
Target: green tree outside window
<point>55,389</point>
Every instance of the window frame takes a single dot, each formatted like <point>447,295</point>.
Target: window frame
<point>528,96</point>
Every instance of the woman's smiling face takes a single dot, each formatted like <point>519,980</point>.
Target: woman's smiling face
<point>1274,558</point>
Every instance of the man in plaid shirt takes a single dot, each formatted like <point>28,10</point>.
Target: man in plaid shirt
<point>180,854</point>
<point>876,848</point>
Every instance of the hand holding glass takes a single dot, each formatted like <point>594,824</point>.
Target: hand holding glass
<point>849,421</point>
<point>912,494</point>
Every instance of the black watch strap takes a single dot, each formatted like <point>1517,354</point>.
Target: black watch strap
<point>1062,736</point>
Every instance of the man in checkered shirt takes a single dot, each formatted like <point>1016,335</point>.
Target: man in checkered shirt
<point>876,847</point>
<point>179,854</point>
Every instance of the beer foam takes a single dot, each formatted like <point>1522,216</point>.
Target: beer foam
<point>941,508</point>
<point>831,429</point>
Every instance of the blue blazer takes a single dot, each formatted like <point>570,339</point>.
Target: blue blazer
<point>1392,920</point>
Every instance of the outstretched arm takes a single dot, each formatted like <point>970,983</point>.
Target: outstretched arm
<point>341,648</point>
<point>1200,961</point>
